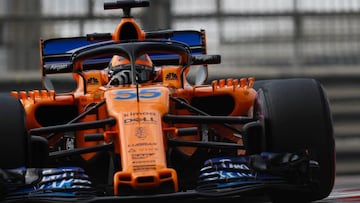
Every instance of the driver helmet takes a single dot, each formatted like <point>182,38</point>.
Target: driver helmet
<point>119,70</point>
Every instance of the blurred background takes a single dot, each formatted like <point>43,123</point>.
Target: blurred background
<point>260,38</point>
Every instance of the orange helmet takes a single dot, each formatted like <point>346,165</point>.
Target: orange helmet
<point>119,70</point>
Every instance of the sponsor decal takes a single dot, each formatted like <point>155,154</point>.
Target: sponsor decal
<point>139,117</point>
<point>139,114</point>
<point>58,67</point>
<point>141,152</point>
<point>69,143</point>
<point>92,81</point>
<point>171,76</point>
<point>131,150</point>
<point>142,144</point>
<point>144,167</point>
<point>144,162</point>
<point>142,155</point>
<point>140,132</point>
<point>140,120</point>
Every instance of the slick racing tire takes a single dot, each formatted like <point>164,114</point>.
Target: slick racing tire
<point>14,145</point>
<point>295,115</point>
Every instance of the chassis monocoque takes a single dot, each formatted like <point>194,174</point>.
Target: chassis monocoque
<point>168,138</point>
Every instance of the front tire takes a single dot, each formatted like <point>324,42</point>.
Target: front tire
<point>15,142</point>
<point>296,116</point>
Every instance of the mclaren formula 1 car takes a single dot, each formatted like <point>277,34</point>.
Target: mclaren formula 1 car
<point>139,126</point>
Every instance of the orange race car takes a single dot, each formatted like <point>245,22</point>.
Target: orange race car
<point>139,126</point>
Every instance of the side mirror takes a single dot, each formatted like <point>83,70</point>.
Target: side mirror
<point>201,74</point>
<point>199,68</point>
<point>197,75</point>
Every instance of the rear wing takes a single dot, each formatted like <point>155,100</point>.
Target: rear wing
<point>56,54</point>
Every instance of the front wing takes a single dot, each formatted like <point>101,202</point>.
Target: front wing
<point>252,176</point>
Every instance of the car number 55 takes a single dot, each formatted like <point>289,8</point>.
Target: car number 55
<point>143,94</point>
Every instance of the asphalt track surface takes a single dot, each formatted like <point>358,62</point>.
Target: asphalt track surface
<point>346,189</point>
